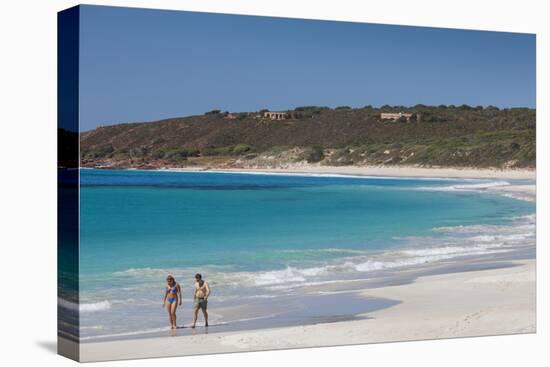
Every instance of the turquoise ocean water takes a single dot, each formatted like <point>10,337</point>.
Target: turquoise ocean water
<point>260,236</point>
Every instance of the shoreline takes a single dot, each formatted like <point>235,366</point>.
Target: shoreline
<point>523,191</point>
<point>385,171</point>
<point>381,171</point>
<point>459,304</point>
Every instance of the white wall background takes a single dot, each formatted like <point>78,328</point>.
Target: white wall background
<point>28,179</point>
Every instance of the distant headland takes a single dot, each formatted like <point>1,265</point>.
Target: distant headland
<point>424,136</point>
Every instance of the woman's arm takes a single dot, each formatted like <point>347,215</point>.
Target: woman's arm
<point>179,295</point>
<point>207,290</point>
<point>164,299</point>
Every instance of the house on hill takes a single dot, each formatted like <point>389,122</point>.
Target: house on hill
<point>395,116</point>
<point>275,115</point>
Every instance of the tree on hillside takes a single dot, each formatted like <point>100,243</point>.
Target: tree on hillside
<point>213,112</point>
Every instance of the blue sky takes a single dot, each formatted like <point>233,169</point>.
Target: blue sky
<point>142,65</point>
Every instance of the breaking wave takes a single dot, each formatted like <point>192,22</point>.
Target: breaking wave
<point>466,187</point>
<point>447,243</point>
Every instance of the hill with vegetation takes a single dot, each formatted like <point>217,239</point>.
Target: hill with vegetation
<point>452,136</point>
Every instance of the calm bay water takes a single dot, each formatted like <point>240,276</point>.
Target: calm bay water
<point>256,236</point>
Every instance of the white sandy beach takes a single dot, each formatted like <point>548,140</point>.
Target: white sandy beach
<point>476,303</point>
<point>387,171</point>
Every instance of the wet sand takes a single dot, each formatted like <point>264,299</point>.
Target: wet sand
<point>468,303</point>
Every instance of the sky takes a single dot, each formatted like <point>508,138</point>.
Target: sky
<point>143,65</point>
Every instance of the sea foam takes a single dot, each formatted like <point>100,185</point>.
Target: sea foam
<point>453,242</point>
<point>466,187</point>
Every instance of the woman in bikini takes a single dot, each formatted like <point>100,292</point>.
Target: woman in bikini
<point>172,295</point>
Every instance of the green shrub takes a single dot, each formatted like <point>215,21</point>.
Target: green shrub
<point>238,149</point>
<point>311,108</point>
<point>341,157</point>
<point>136,152</point>
<point>313,154</point>
<point>241,148</point>
<point>102,152</point>
<point>215,151</point>
<point>175,154</point>
<point>278,149</point>
<point>213,112</point>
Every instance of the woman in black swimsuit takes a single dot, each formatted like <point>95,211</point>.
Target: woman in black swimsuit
<point>172,295</point>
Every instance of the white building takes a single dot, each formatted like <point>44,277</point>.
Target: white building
<point>395,116</point>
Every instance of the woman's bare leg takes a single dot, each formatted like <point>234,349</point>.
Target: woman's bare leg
<point>169,309</point>
<point>173,307</point>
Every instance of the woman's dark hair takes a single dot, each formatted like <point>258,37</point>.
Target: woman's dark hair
<point>198,276</point>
